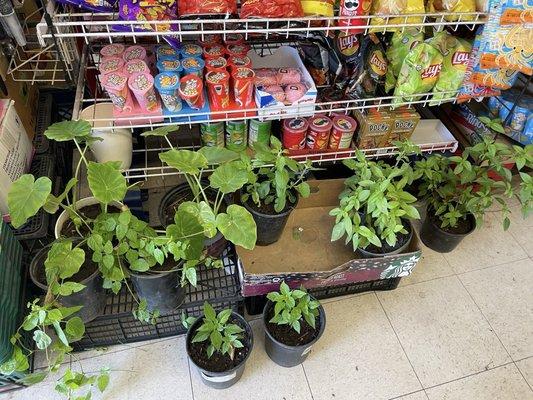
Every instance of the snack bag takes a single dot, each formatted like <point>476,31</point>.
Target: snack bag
<point>453,7</point>
<point>92,5</point>
<point>206,7</point>
<point>318,7</point>
<point>516,12</point>
<point>316,59</point>
<point>456,53</point>
<point>396,7</point>
<point>419,73</point>
<point>271,9</point>
<point>401,43</point>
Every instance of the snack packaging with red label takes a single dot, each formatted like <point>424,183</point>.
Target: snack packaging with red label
<point>206,7</point>
<point>271,9</point>
<point>243,87</point>
<point>453,8</point>
<point>396,7</point>
<point>294,132</point>
<point>420,71</point>
<point>402,42</point>
<point>353,8</point>
<point>239,62</point>
<point>214,51</point>
<point>318,133</point>
<point>342,132</point>
<point>218,89</point>
<point>216,64</point>
<point>318,7</point>
<point>192,91</point>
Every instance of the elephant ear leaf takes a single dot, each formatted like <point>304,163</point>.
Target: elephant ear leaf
<point>69,130</point>
<point>106,182</point>
<point>26,197</point>
<point>238,226</point>
<point>186,161</point>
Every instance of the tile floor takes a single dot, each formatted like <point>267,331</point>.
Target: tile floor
<point>459,328</point>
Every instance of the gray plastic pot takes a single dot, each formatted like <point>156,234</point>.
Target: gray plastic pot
<point>225,379</point>
<point>285,355</point>
<point>369,254</point>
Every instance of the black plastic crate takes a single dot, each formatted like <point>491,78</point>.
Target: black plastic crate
<point>41,143</point>
<point>116,325</point>
<point>255,304</point>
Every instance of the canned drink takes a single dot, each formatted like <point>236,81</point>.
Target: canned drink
<point>236,135</point>
<point>294,132</point>
<point>318,133</point>
<point>259,131</point>
<point>212,134</point>
<point>342,132</point>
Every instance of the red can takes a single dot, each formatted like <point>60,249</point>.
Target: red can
<point>352,8</point>
<point>294,132</point>
<point>216,64</point>
<point>318,133</point>
<point>237,50</point>
<point>192,91</point>
<point>218,89</point>
<point>342,132</point>
<point>243,86</point>
<point>238,62</point>
<point>234,38</point>
<point>214,51</point>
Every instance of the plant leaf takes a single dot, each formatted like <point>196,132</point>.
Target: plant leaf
<point>238,226</point>
<point>41,339</point>
<point>63,260</point>
<point>186,161</point>
<point>26,197</point>
<point>68,130</point>
<point>75,328</point>
<point>161,131</point>
<point>106,182</point>
<point>218,155</point>
<point>228,178</point>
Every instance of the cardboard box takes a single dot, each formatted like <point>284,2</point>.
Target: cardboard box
<point>16,150</point>
<point>374,128</point>
<point>304,255</point>
<point>283,57</point>
<point>405,121</point>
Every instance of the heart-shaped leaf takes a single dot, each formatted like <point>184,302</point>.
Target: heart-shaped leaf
<point>106,182</point>
<point>238,226</point>
<point>204,214</point>
<point>218,155</point>
<point>26,197</point>
<point>161,131</point>
<point>63,260</point>
<point>229,177</point>
<point>187,228</point>
<point>186,161</point>
<point>68,130</point>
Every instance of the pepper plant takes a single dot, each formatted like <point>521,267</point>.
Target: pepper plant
<point>293,306</point>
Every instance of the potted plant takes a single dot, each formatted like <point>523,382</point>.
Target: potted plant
<point>218,345</point>
<point>460,189</point>
<point>374,208</point>
<point>293,321</point>
<point>273,190</point>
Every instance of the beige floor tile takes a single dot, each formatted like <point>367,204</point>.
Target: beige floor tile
<point>522,229</point>
<point>526,367</point>
<point>414,396</point>
<point>262,378</point>
<point>504,295</point>
<point>503,383</point>
<point>487,246</point>
<point>442,331</point>
<point>359,356</point>
<point>432,265</point>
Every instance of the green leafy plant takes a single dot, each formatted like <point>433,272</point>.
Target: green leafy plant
<point>292,307</point>
<point>457,186</point>
<point>276,178</point>
<point>374,206</point>
<point>495,124</point>
<point>224,337</point>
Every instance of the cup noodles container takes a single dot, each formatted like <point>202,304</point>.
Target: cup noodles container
<point>191,50</point>
<point>234,38</point>
<point>218,89</point>
<point>134,66</point>
<point>342,132</point>
<point>112,50</point>
<point>193,66</point>
<point>168,65</point>
<point>294,133</point>
<point>134,53</point>
<point>243,86</point>
<point>405,121</point>
<point>111,64</point>
<point>166,51</point>
<point>318,133</point>
<point>192,91</point>
<point>116,85</point>
<point>216,64</point>
<point>142,86</point>
<point>237,50</point>
<point>214,51</point>
<point>375,127</point>
<point>209,39</point>
<point>167,84</point>
<point>238,62</point>
<point>353,8</point>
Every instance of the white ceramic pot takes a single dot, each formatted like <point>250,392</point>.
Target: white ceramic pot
<point>88,201</point>
<point>116,143</point>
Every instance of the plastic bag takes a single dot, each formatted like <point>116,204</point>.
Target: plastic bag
<point>316,59</point>
<point>92,5</point>
<point>401,43</point>
<point>318,7</point>
<point>206,7</point>
<point>271,9</point>
<point>396,7</point>
<point>453,7</point>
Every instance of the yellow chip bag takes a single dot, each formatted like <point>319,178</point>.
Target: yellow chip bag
<point>453,7</point>
<point>396,7</point>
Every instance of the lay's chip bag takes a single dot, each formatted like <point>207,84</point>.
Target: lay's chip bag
<point>401,43</point>
<point>453,8</point>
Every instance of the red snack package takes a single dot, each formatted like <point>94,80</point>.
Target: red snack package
<point>218,89</point>
<point>271,9</point>
<point>206,7</point>
<point>352,8</point>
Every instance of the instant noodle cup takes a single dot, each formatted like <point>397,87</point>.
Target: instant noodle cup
<point>210,39</point>
<point>234,38</point>
<point>192,91</point>
<point>142,86</point>
<point>216,64</point>
<point>111,64</point>
<point>112,50</point>
<point>194,66</point>
<point>168,65</point>
<point>218,88</point>
<point>214,51</point>
<point>166,51</point>
<point>243,86</point>
<point>237,50</point>
<point>191,50</point>
<point>294,133</point>
<point>134,53</point>
<point>167,84</point>
<point>318,133</point>
<point>116,85</point>
<point>238,62</point>
<point>134,66</point>
<point>342,132</point>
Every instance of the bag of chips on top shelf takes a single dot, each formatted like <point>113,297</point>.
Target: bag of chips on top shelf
<point>271,9</point>
<point>401,43</point>
<point>516,12</point>
<point>98,6</point>
<point>206,7</point>
<point>318,7</point>
<point>453,7</point>
<point>396,7</point>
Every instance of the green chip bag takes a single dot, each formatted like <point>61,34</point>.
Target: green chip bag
<point>401,43</point>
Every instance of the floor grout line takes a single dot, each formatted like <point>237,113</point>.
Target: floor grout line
<point>190,377</point>
<point>307,380</point>
<point>409,394</point>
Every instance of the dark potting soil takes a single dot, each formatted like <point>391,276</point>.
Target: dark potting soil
<point>385,248</point>
<point>218,362</point>
<point>462,228</point>
<point>287,335</point>
<point>90,212</point>
<point>267,208</point>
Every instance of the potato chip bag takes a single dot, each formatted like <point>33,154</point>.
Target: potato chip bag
<point>396,7</point>
<point>453,7</point>
<point>419,73</point>
<point>456,53</point>
<point>401,43</point>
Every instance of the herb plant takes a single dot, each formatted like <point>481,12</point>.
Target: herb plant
<point>223,337</point>
<point>291,306</point>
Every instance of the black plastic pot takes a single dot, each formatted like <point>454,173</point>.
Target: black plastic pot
<point>365,253</point>
<point>269,226</point>
<point>434,237</point>
<point>92,297</point>
<point>285,355</point>
<point>162,290</point>
<point>225,379</point>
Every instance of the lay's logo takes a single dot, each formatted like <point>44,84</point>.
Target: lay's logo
<point>348,44</point>
<point>431,72</point>
<point>378,60</point>
<point>460,58</point>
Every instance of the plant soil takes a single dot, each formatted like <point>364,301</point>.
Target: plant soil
<point>286,335</point>
<point>218,362</point>
<point>401,239</point>
<point>462,228</point>
<point>91,212</point>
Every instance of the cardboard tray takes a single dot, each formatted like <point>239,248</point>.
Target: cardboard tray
<point>304,255</point>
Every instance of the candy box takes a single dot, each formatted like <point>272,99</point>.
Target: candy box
<point>405,121</point>
<point>374,128</point>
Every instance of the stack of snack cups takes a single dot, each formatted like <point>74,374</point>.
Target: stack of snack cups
<point>116,85</point>
<point>218,89</point>
<point>134,53</point>
<point>169,65</point>
<point>191,50</point>
<point>243,86</point>
<point>214,51</point>
<point>209,39</point>
<point>239,62</point>
<point>167,84</point>
<point>166,51</point>
<point>134,66</point>
<point>294,133</point>
<point>112,50</point>
<point>142,86</point>
<point>193,66</point>
<point>111,64</point>
<point>318,133</point>
<point>216,64</point>
<point>233,38</point>
<point>192,91</point>
<point>342,132</point>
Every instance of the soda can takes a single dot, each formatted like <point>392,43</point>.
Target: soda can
<point>342,132</point>
<point>259,131</point>
<point>318,133</point>
<point>212,134</point>
<point>236,139</point>
<point>294,132</point>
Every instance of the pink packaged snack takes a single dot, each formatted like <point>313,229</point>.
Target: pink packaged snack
<point>134,53</point>
<point>295,92</point>
<point>266,77</point>
<point>115,84</point>
<point>276,91</point>
<point>111,64</point>
<point>136,66</point>
<point>142,86</point>
<point>289,76</point>
<point>112,50</point>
